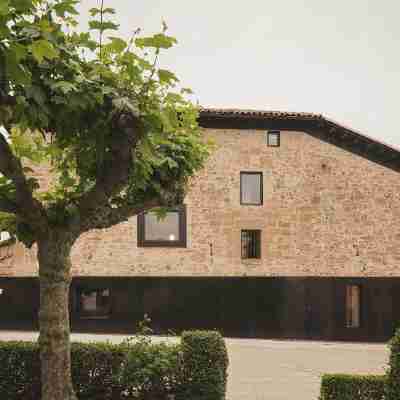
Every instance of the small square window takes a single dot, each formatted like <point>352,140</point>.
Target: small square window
<point>251,244</point>
<point>94,303</point>
<point>274,138</point>
<point>169,231</point>
<point>251,188</point>
<point>353,306</point>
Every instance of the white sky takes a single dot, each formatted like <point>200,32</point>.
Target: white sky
<point>340,58</point>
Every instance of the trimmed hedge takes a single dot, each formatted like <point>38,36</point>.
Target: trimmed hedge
<point>205,365</point>
<point>196,369</point>
<point>151,370</point>
<point>393,373</point>
<point>353,387</point>
<point>93,367</point>
<point>19,371</point>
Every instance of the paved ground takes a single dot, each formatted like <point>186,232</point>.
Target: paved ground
<point>276,370</point>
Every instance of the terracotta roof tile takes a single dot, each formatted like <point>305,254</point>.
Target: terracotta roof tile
<point>243,113</point>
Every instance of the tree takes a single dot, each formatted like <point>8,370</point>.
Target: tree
<point>115,131</point>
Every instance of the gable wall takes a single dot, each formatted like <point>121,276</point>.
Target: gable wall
<point>326,212</point>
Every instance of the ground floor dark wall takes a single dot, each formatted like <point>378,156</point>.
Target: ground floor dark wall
<point>301,308</point>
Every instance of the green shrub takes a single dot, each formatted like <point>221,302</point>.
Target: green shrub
<point>195,369</point>
<point>19,371</point>
<point>352,387</point>
<point>205,364</point>
<point>93,367</point>
<point>151,371</point>
<point>393,373</point>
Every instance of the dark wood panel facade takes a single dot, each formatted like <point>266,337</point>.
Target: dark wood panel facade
<point>301,308</point>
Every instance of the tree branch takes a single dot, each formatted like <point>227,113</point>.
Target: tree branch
<point>8,206</point>
<point>6,100</point>
<point>109,216</point>
<point>116,170</point>
<point>28,208</point>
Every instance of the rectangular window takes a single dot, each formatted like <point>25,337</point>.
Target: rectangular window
<point>94,303</point>
<point>251,188</point>
<point>167,231</point>
<point>353,306</point>
<point>274,138</point>
<point>251,244</point>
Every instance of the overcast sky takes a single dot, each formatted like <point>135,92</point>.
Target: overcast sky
<point>340,58</point>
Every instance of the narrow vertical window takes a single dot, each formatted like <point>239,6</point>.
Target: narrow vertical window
<point>353,306</point>
<point>273,138</point>
<point>251,244</point>
<point>251,188</point>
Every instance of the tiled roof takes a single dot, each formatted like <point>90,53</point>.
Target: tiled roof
<point>243,113</point>
<point>314,124</point>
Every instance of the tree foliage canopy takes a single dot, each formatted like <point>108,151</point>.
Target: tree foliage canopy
<point>116,131</point>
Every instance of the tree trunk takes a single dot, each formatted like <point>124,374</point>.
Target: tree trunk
<point>55,352</point>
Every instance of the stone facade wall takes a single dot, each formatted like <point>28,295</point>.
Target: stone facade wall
<point>326,212</point>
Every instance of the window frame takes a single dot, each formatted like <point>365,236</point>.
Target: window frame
<point>348,326</point>
<point>82,314</point>
<point>242,173</point>
<point>259,232</point>
<point>182,242</point>
<point>278,133</point>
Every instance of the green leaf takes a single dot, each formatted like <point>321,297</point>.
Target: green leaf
<point>117,45</point>
<point>64,86</point>
<point>43,49</point>
<point>186,91</point>
<point>31,31</point>
<point>103,26</point>
<point>166,76</point>
<point>126,104</point>
<point>19,50</point>
<point>36,93</point>
<point>96,11</point>
<point>23,5</point>
<point>4,7</point>
<point>15,70</point>
<point>159,41</point>
<point>66,7</point>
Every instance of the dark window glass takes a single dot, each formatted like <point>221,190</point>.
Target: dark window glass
<point>94,303</point>
<point>251,188</point>
<point>274,138</point>
<point>251,244</point>
<point>169,230</point>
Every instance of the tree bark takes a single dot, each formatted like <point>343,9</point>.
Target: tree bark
<point>55,351</point>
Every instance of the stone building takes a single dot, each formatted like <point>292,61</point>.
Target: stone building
<point>291,230</point>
